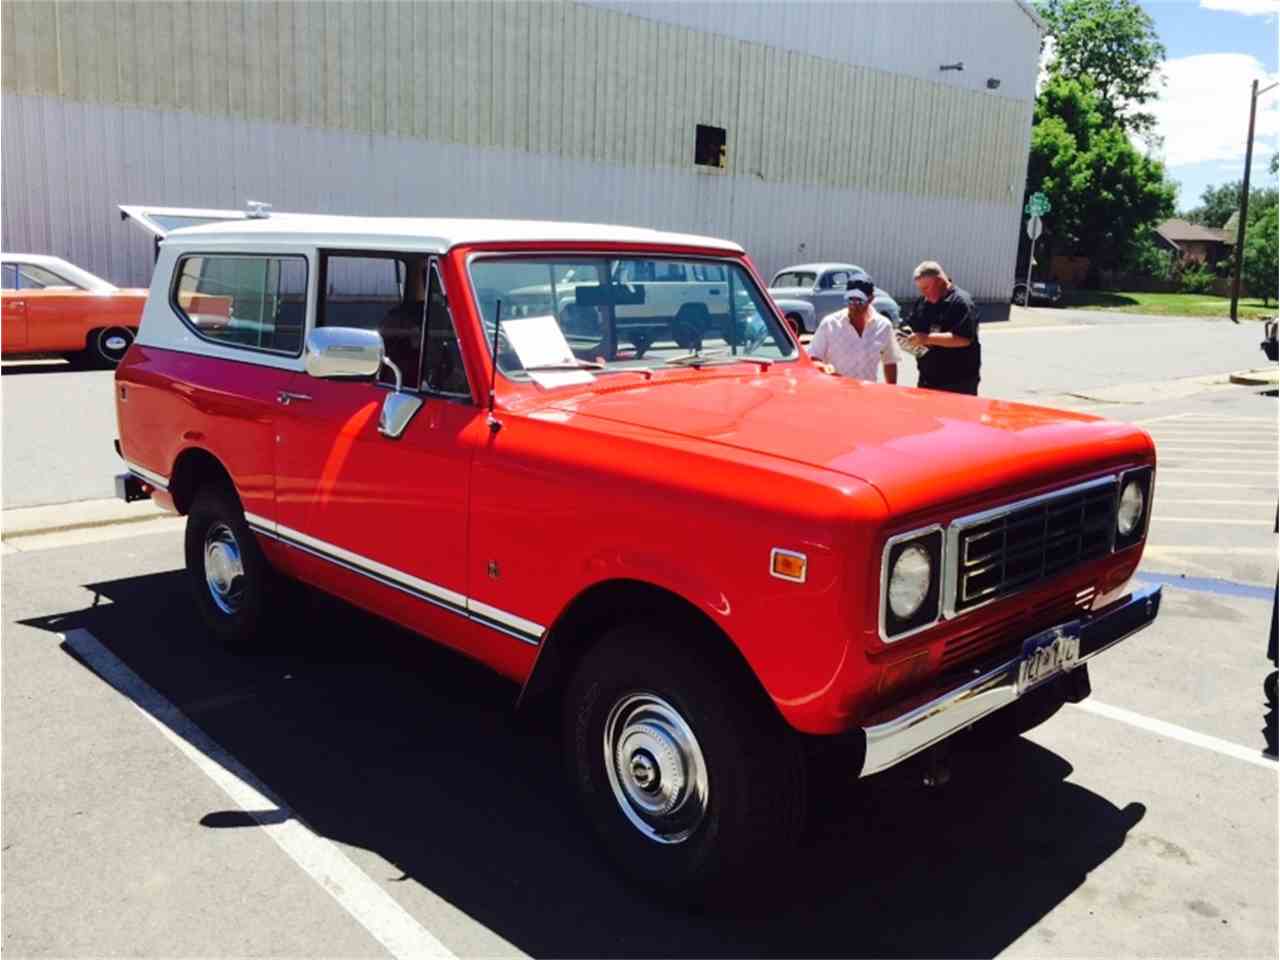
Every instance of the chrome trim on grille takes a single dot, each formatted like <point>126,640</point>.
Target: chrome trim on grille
<point>951,578</point>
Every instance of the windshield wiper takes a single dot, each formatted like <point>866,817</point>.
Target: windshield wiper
<point>718,358</point>
<point>695,359</point>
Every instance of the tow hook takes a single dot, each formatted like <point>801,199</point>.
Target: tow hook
<point>937,770</point>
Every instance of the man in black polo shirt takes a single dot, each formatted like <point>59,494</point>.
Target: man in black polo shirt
<point>944,333</point>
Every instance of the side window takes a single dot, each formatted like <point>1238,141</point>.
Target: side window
<point>708,273</point>
<point>8,277</point>
<point>442,368</point>
<point>836,280</point>
<point>250,301</point>
<point>31,277</point>
<point>385,292</point>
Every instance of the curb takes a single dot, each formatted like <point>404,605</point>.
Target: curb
<point>19,522</point>
<point>1266,377</point>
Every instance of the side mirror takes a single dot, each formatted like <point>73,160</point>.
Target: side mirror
<point>343,352</point>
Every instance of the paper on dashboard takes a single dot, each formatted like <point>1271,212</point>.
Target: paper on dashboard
<point>539,342</point>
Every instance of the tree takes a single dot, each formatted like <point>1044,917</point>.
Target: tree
<point>1261,268</point>
<point>1219,201</point>
<point>1112,43</point>
<point>1101,188</point>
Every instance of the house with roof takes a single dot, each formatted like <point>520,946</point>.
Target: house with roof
<point>1194,243</point>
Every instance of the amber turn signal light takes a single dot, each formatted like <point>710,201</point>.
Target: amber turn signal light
<point>788,565</point>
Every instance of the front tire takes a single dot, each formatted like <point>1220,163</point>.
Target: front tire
<point>689,778</point>
<point>229,576</point>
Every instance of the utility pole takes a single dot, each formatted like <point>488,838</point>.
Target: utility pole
<point>1244,202</point>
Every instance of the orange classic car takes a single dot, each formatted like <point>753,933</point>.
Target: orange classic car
<point>52,306</point>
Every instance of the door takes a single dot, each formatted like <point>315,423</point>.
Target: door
<point>376,511</point>
<point>13,324</point>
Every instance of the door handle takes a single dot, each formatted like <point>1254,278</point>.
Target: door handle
<point>285,397</point>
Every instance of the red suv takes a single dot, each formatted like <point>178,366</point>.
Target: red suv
<point>596,459</point>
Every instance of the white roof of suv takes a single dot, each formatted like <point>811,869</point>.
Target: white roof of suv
<point>430,234</point>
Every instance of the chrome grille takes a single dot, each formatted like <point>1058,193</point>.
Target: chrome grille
<point>1006,550</point>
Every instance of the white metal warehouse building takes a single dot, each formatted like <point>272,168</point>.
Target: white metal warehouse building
<point>844,139</point>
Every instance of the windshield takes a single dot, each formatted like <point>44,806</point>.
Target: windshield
<point>794,279</point>
<point>599,315</point>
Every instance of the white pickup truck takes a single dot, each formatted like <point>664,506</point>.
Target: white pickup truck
<point>683,301</point>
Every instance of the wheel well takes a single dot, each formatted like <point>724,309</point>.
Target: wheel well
<point>196,468</point>
<point>605,605</point>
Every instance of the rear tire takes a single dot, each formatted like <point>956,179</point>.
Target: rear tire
<point>689,778</point>
<point>1020,296</point>
<point>229,576</point>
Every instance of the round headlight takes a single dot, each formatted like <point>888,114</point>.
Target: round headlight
<point>909,581</point>
<point>1132,504</point>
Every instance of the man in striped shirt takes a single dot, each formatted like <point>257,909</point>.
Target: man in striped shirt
<point>854,342</point>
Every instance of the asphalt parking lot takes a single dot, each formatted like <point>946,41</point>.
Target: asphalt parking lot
<point>357,792</point>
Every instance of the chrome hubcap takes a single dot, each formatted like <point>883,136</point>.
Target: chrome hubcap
<point>113,343</point>
<point>224,568</point>
<point>655,767</point>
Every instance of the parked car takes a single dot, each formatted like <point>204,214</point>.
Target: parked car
<point>714,561</point>
<point>822,285</point>
<point>54,307</point>
<point>1042,291</point>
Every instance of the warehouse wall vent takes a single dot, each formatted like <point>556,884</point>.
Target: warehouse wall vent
<point>709,148</point>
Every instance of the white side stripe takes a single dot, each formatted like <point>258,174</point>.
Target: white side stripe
<point>391,573</point>
<point>510,619</point>
<point>1175,732</point>
<point>155,479</point>
<point>371,906</point>
<point>528,630</point>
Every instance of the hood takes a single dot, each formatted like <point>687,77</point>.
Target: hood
<point>919,448</point>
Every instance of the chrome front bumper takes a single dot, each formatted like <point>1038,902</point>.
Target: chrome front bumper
<point>895,740</point>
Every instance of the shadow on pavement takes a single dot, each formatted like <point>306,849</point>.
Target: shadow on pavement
<point>9,368</point>
<point>380,740</point>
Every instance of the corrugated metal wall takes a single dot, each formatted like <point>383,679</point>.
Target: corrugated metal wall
<point>570,110</point>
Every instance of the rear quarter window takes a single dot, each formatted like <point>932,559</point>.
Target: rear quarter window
<point>254,302</point>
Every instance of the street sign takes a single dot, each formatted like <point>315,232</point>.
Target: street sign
<point>1038,205</point>
<point>1034,228</point>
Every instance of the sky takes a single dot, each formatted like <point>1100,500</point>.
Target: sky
<point>1215,49</point>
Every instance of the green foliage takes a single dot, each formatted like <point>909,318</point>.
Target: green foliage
<point>1113,44</point>
<point>1147,256</point>
<point>1197,279</point>
<point>1220,201</point>
<point>1261,267</point>
<point>1102,189</point>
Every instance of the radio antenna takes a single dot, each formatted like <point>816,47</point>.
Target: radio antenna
<point>494,423</point>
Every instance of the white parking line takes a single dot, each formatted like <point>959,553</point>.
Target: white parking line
<point>1226,473</point>
<point>371,906</point>
<point>1161,483</point>
<point>1175,732</point>
<point>1216,521</point>
<point>1264,501</point>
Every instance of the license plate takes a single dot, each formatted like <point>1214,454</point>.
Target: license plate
<point>1046,656</point>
